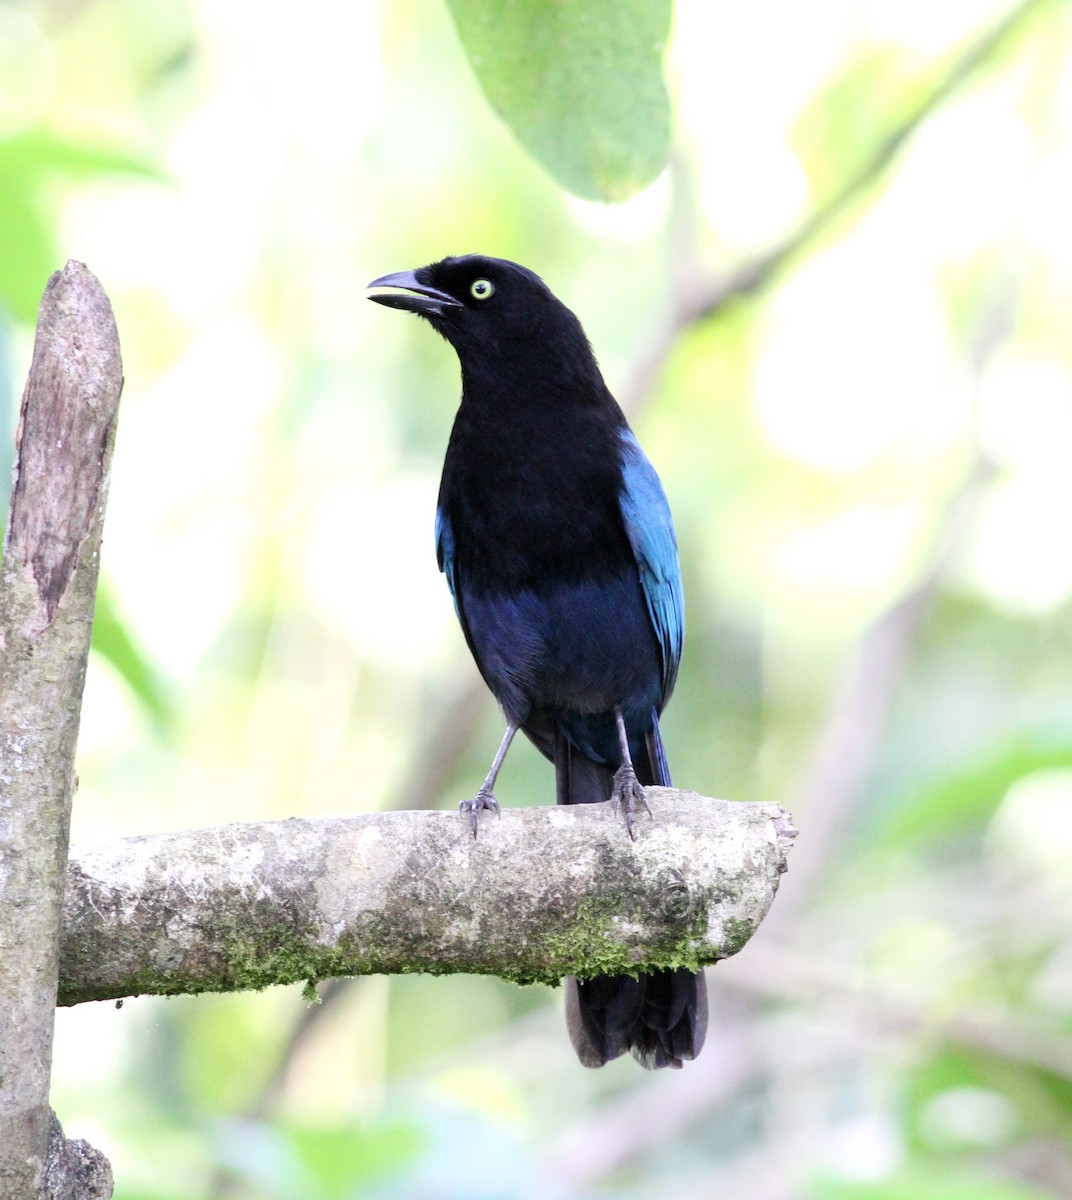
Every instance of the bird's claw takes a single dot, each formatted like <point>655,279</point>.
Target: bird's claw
<point>483,799</point>
<point>625,795</point>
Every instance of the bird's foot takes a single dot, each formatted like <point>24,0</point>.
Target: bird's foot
<point>626,794</point>
<point>483,799</point>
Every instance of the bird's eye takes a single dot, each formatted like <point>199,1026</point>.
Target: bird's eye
<point>481,289</point>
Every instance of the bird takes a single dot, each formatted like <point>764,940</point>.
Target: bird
<point>555,536</point>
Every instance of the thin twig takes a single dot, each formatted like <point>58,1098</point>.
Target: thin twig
<point>695,300</point>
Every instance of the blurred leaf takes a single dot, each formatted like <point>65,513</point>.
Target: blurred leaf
<point>37,150</point>
<point>1041,1100</point>
<point>839,129</point>
<point>917,1182</point>
<point>112,641</point>
<point>986,704</point>
<point>881,88</point>
<point>137,1193</point>
<point>7,414</point>
<point>969,796</point>
<point>289,1162</point>
<point>464,1152</point>
<point>579,84</point>
<point>27,163</point>
<point>345,1158</point>
<point>259,1154</point>
<point>29,257</point>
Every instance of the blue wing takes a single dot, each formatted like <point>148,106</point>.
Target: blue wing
<point>444,545</point>
<point>650,530</point>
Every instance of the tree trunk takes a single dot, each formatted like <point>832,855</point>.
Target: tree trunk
<point>48,582</point>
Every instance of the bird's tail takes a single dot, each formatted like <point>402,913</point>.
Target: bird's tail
<point>660,1017</point>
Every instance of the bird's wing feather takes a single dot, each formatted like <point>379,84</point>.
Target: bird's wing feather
<point>444,544</point>
<point>650,530</point>
<point>444,539</point>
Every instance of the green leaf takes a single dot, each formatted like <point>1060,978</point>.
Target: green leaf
<point>969,795</point>
<point>871,96</point>
<point>579,82</point>
<point>343,1158</point>
<point>1040,1099</point>
<point>28,164</point>
<point>112,640</point>
<point>37,151</point>
<point>29,258</point>
<point>929,1182</point>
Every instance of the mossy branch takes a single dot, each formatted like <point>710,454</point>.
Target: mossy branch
<point>541,893</point>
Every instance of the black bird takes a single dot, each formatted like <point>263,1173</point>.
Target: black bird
<point>555,537</point>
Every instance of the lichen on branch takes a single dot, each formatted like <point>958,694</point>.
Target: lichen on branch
<point>541,893</point>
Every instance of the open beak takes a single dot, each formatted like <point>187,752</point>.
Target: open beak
<point>416,296</point>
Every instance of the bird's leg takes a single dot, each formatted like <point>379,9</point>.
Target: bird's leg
<point>484,797</point>
<point>627,789</point>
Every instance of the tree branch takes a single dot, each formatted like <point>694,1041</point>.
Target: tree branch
<point>698,296</point>
<point>753,276</point>
<point>541,893</point>
<point>47,588</point>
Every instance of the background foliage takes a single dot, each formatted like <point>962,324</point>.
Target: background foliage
<point>840,318</point>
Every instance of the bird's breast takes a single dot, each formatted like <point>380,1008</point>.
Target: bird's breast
<point>569,647</point>
<point>529,504</point>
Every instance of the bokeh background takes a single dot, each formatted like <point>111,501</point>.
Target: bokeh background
<point>841,322</point>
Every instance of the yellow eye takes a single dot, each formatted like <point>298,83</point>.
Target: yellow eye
<point>481,289</point>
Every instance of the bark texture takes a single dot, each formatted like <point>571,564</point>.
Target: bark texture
<point>48,582</point>
<point>541,893</point>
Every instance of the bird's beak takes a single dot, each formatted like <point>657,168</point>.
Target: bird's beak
<point>417,297</point>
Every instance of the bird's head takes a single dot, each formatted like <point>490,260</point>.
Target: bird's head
<point>484,306</point>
